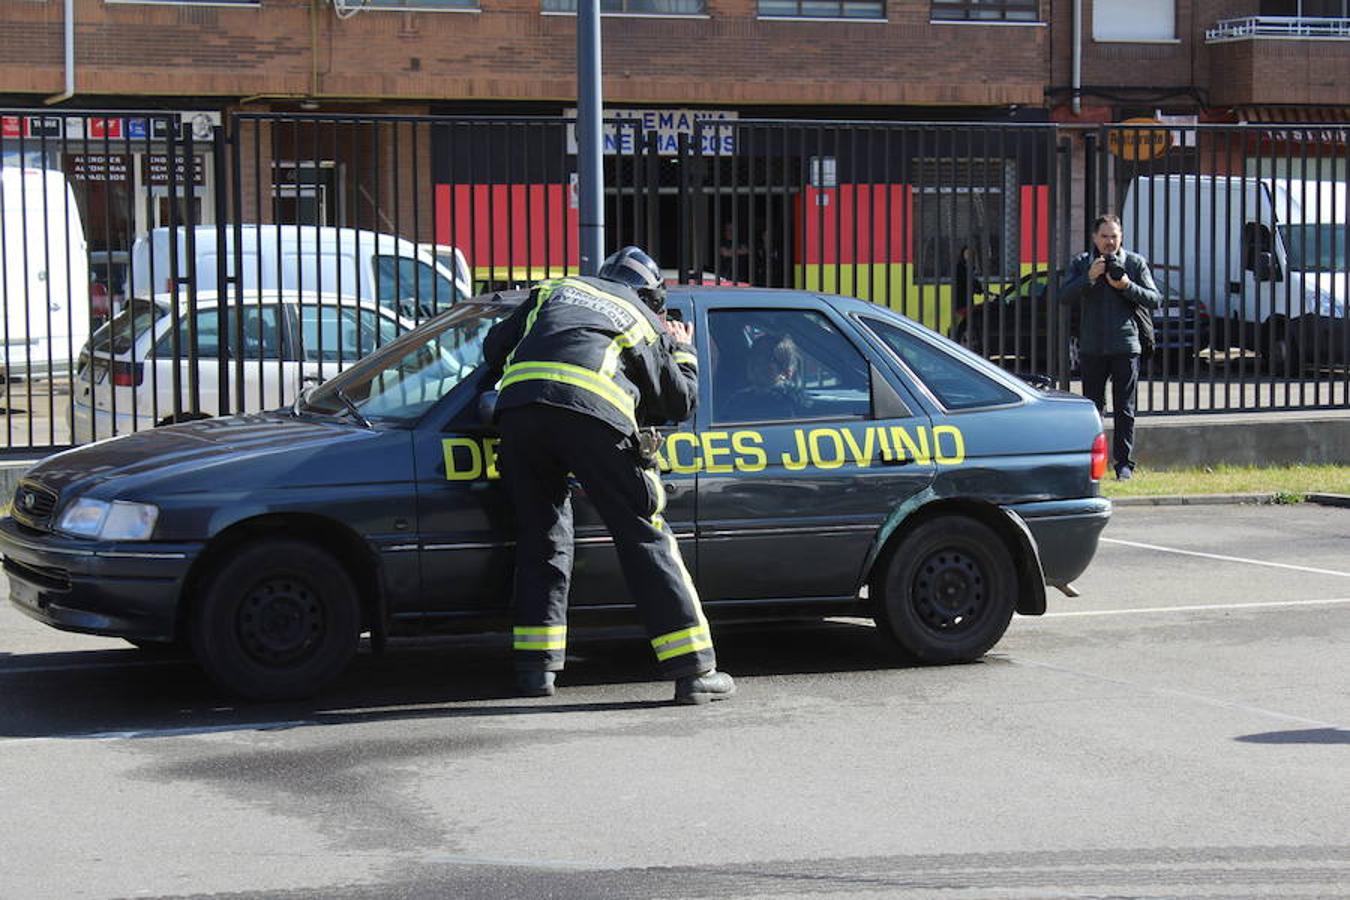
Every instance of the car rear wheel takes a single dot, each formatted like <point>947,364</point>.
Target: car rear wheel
<point>278,620</point>
<point>947,591</point>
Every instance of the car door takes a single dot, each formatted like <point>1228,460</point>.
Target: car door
<point>796,477</point>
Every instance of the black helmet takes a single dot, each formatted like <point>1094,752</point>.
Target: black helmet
<point>633,267</point>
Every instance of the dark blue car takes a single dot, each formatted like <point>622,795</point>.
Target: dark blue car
<point>897,476</point>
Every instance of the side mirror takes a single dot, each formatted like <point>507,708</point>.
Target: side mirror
<point>310,379</point>
<point>487,407</point>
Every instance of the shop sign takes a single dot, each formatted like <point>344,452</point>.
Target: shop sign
<point>667,125</point>
<point>30,126</point>
<point>1138,143</point>
<point>98,166</point>
<point>155,169</point>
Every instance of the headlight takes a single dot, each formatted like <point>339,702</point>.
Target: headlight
<point>116,521</point>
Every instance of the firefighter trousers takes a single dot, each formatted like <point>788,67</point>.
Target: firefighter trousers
<point>540,446</point>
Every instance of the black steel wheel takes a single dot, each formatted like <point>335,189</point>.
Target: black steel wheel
<point>946,592</point>
<point>277,620</point>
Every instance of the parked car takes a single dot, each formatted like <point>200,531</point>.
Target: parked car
<point>354,262</point>
<point>44,274</point>
<point>910,481</point>
<point>130,371</point>
<point>1014,327</point>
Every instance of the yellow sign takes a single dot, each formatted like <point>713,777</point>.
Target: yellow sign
<point>1139,143</point>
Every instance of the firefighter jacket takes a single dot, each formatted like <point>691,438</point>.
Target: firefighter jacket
<point>591,346</point>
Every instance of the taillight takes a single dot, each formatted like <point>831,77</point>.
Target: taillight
<point>1201,310</point>
<point>126,374</point>
<point>1099,457</point>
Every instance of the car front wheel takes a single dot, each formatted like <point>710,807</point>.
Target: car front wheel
<point>278,620</point>
<point>947,591</point>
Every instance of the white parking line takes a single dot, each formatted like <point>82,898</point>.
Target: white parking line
<point>1238,559</point>
<point>1266,604</point>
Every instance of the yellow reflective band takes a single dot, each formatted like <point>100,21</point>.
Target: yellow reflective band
<point>679,643</point>
<point>660,491</point>
<point>540,637</point>
<point>685,358</point>
<point>576,376</point>
<point>673,636</point>
<point>544,290</point>
<point>621,343</point>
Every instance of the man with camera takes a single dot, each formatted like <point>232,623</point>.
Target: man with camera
<point>1110,283</point>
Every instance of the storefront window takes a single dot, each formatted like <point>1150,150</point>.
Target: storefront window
<point>634,7</point>
<point>987,10</point>
<point>823,9</point>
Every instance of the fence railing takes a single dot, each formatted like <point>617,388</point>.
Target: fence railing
<point>1312,28</point>
<point>156,269</point>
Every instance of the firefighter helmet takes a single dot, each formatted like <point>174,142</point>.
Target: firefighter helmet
<point>633,267</point>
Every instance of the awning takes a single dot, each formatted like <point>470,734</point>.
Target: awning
<point>1294,115</point>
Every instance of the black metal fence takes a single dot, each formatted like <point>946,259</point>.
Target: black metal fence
<point>158,267</point>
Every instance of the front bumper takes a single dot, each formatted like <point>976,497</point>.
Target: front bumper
<point>1066,533</point>
<point>128,590</point>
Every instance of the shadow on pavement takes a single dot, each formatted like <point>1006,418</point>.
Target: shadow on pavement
<point>1301,736</point>
<point>132,693</point>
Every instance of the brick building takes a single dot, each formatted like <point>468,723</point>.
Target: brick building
<point>995,61</point>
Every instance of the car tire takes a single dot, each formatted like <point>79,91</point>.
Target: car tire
<point>947,591</point>
<point>276,621</point>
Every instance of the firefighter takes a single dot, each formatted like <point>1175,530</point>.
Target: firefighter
<point>586,366</point>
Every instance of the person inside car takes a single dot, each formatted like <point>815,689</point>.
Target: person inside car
<point>773,375</point>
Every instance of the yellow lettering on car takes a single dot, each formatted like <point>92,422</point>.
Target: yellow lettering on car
<point>673,442</point>
<point>463,458</point>
<point>724,452</point>
<point>958,445</point>
<point>906,444</point>
<point>750,456</point>
<point>714,445</point>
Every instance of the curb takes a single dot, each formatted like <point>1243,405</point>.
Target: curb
<point>1341,500</point>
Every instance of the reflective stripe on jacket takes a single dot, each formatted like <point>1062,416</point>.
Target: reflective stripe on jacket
<point>591,346</point>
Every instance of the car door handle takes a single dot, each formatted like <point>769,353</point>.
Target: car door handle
<point>897,461</point>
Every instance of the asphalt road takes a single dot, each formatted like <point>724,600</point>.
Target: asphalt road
<point>1181,729</point>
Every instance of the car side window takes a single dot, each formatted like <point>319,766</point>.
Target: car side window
<point>329,334</point>
<point>775,365</point>
<point>261,335</point>
<point>412,287</point>
<point>954,384</point>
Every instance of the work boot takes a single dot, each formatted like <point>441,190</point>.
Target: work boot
<point>704,687</point>
<point>534,683</point>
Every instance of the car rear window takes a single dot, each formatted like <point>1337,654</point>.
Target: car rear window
<point>954,384</point>
<point>126,327</point>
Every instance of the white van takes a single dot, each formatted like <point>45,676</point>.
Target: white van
<point>44,286</point>
<point>351,262</point>
<point>1266,255</point>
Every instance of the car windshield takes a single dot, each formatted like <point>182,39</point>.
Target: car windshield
<point>126,327</point>
<point>405,378</point>
<point>1315,247</point>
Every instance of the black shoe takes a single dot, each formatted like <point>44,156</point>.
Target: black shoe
<point>698,689</point>
<point>534,683</point>
<point>1124,473</point>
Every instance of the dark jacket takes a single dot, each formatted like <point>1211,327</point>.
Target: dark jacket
<point>1106,315</point>
<point>591,346</point>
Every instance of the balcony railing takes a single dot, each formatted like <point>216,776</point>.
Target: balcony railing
<point>1317,29</point>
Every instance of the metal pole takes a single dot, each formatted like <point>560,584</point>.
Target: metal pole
<point>590,161</point>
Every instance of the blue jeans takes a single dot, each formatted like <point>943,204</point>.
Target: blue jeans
<point>1123,370</point>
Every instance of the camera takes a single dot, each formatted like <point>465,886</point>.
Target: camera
<point>1114,270</point>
